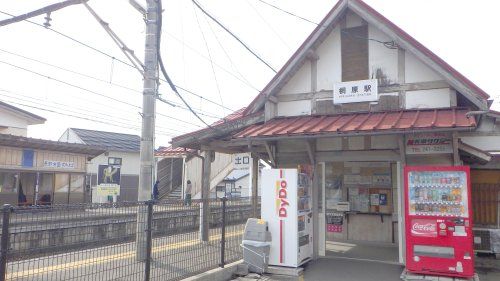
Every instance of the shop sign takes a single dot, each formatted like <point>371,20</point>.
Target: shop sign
<point>423,228</point>
<point>241,161</point>
<point>281,197</point>
<point>355,91</point>
<point>58,164</point>
<point>108,180</point>
<point>431,143</point>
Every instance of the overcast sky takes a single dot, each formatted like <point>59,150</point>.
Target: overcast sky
<point>108,94</point>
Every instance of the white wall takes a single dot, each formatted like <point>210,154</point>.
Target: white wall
<point>417,71</point>
<point>435,98</point>
<point>14,131</point>
<point>381,57</point>
<point>294,108</point>
<point>329,71</point>
<point>244,182</point>
<point>329,65</point>
<point>487,143</point>
<point>130,162</point>
<point>16,124</point>
<point>70,136</point>
<point>300,82</point>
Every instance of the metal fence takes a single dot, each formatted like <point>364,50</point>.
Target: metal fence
<point>99,241</point>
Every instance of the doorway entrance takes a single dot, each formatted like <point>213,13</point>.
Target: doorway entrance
<point>359,202</point>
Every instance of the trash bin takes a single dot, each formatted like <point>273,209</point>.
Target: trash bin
<point>256,245</point>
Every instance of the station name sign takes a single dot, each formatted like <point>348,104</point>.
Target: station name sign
<point>355,91</point>
<point>58,164</point>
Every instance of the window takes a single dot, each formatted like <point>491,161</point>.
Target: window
<point>62,183</point>
<point>114,161</point>
<point>8,182</point>
<point>76,185</point>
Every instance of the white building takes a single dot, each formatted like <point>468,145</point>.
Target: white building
<point>121,149</point>
<point>15,121</point>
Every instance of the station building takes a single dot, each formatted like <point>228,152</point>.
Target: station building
<point>35,171</point>
<point>359,100</point>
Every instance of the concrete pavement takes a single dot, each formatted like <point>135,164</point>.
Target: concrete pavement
<point>173,257</point>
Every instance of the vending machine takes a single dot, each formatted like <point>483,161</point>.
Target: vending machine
<point>439,221</point>
<point>286,206</point>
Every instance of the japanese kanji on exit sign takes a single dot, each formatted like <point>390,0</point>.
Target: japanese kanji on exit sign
<point>241,161</point>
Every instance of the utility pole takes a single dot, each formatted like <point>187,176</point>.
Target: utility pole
<point>148,124</point>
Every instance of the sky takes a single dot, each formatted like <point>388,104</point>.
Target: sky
<point>76,86</point>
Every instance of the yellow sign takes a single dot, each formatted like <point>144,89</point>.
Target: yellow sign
<point>108,190</point>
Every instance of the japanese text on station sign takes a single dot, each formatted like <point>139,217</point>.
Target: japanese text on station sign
<point>355,91</point>
<point>241,161</point>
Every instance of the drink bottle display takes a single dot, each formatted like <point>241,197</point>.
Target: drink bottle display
<point>438,224</point>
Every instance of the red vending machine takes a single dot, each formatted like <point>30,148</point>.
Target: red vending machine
<point>439,221</point>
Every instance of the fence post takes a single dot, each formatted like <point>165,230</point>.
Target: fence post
<point>223,234</point>
<point>4,243</point>
<point>149,230</point>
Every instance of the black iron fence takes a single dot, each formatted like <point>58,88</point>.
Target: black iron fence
<point>125,241</point>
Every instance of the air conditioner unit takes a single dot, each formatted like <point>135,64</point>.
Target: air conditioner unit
<point>487,240</point>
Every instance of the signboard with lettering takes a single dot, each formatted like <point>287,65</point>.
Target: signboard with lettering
<point>108,180</point>
<point>355,91</point>
<point>241,161</point>
<point>429,143</point>
<point>58,164</point>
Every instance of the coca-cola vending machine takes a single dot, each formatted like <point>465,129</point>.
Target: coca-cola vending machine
<point>439,221</point>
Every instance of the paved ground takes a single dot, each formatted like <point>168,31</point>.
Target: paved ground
<point>173,257</point>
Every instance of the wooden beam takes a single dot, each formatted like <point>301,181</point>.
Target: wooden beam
<point>310,151</point>
<point>401,76</point>
<point>456,155</point>
<point>270,153</point>
<point>205,192</point>
<point>402,149</point>
<point>217,131</point>
<point>221,149</point>
<point>361,155</point>
<point>452,79</point>
<point>255,184</point>
<point>328,94</point>
<point>282,77</point>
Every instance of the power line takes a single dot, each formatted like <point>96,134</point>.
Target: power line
<point>209,55</point>
<point>287,12</point>
<point>268,25</point>
<point>233,35</point>
<point>79,117</point>
<point>162,66</point>
<point>233,66</point>
<point>184,44</point>
<point>387,44</point>
<point>90,91</point>
<point>171,103</point>
<point>106,54</point>
<point>86,111</point>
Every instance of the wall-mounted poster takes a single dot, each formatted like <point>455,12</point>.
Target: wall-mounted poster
<point>334,222</point>
<point>108,180</point>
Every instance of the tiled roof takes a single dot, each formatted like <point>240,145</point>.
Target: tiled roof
<point>231,117</point>
<point>109,140</point>
<point>172,152</point>
<point>405,120</point>
<point>24,142</point>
